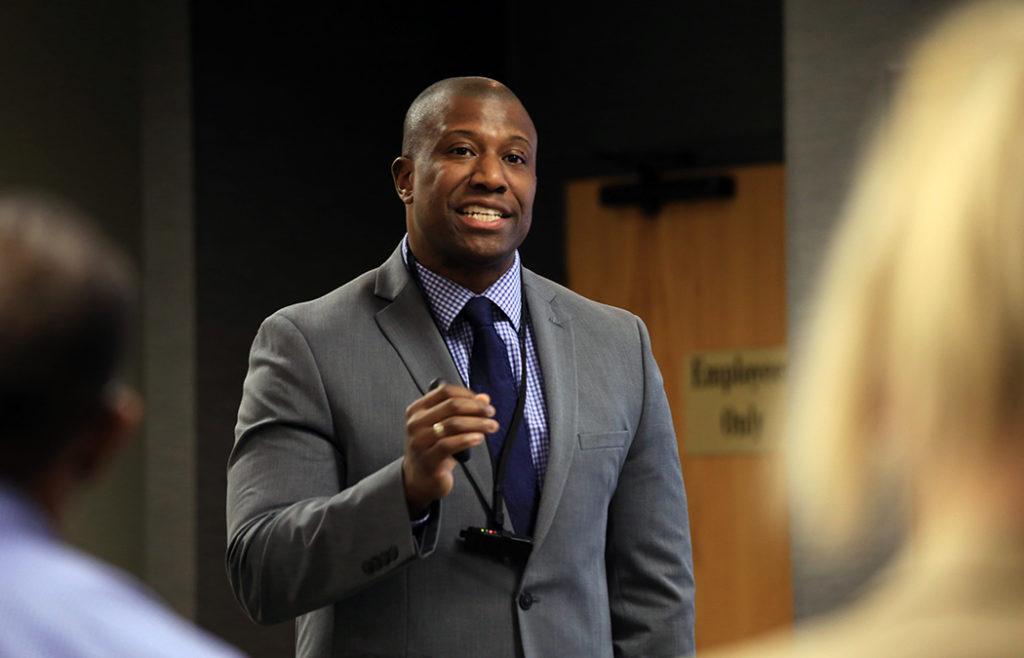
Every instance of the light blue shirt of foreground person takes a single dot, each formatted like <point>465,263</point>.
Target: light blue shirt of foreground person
<point>56,602</point>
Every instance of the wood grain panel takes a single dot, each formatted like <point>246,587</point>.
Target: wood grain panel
<point>704,275</point>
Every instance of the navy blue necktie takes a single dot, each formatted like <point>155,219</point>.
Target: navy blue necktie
<point>489,372</point>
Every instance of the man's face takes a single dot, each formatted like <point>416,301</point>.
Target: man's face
<point>469,189</point>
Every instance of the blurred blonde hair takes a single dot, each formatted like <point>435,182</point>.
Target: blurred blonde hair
<point>914,355</point>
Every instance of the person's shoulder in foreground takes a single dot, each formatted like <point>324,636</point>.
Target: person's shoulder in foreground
<point>60,602</point>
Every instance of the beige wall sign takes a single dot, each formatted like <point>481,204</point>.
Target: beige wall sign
<point>733,400</point>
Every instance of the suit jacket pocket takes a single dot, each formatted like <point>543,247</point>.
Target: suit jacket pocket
<point>595,440</point>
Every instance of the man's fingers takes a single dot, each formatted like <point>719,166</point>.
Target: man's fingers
<point>428,466</point>
<point>457,417</point>
<point>437,395</point>
<point>460,407</point>
<point>447,420</point>
<point>429,434</point>
<point>456,410</point>
<point>449,445</point>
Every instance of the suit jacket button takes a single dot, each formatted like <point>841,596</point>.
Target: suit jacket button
<point>525,600</point>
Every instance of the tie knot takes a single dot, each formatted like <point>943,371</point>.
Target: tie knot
<point>478,313</point>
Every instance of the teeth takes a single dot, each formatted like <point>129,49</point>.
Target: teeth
<point>480,212</point>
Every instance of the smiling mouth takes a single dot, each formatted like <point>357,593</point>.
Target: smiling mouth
<point>481,213</point>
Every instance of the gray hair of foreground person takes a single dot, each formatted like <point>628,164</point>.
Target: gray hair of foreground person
<point>910,385</point>
<point>67,299</point>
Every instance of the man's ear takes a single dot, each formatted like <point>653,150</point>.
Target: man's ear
<point>118,424</point>
<point>402,172</point>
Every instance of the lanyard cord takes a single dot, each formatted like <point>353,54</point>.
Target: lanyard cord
<point>495,513</point>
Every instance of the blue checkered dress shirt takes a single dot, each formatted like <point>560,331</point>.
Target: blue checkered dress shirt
<point>446,299</point>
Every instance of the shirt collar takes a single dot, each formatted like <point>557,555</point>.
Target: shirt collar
<point>446,298</point>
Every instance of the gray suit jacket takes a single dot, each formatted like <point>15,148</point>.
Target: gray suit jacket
<point>317,522</point>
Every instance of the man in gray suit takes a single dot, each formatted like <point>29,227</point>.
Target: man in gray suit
<point>350,504</point>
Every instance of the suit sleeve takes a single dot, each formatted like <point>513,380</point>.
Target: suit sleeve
<point>648,558</point>
<point>299,536</point>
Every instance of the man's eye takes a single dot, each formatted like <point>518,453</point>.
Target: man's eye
<point>460,150</point>
<point>515,158</point>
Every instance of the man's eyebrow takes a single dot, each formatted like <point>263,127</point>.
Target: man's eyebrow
<point>470,133</point>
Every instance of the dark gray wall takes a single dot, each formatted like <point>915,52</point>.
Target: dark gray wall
<point>69,124</point>
<point>169,325</point>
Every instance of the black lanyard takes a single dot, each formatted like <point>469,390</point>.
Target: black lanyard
<point>495,512</point>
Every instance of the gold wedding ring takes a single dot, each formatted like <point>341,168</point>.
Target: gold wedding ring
<point>439,430</point>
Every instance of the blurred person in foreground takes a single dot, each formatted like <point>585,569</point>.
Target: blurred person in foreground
<point>66,300</point>
<point>911,389</point>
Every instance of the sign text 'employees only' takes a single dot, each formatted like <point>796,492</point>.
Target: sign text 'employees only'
<point>733,400</point>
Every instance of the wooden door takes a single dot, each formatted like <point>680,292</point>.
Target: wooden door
<point>704,275</point>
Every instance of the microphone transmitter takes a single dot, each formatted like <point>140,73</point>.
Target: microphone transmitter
<point>500,544</point>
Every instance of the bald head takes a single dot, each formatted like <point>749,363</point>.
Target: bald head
<point>423,115</point>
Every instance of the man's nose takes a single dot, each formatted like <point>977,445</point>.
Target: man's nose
<point>489,173</point>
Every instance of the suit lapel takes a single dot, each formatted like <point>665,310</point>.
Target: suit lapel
<point>407,324</point>
<point>556,351</point>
